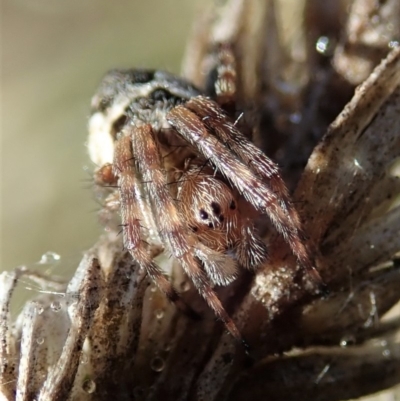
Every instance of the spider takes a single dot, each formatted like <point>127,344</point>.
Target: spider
<point>186,180</point>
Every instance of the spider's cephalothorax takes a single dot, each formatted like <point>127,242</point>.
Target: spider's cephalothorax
<point>185,180</point>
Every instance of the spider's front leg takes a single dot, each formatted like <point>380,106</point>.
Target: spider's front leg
<point>264,186</point>
<point>132,216</point>
<point>137,146</point>
<point>206,126</point>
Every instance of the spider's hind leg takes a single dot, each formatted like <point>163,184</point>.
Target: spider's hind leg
<point>222,79</point>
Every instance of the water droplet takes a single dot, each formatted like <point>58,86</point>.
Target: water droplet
<point>323,45</point>
<point>49,257</point>
<point>40,340</point>
<point>386,353</point>
<point>89,386</point>
<point>159,314</point>
<point>157,364</point>
<point>55,306</point>
<point>393,43</point>
<point>346,341</point>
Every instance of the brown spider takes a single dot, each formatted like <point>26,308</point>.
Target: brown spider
<point>187,180</point>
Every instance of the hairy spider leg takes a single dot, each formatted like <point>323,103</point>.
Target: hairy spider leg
<point>270,199</point>
<point>129,191</point>
<point>217,122</point>
<point>225,83</point>
<point>215,119</point>
<point>181,242</point>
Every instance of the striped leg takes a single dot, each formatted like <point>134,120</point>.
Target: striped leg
<point>131,217</point>
<point>176,235</point>
<point>203,124</point>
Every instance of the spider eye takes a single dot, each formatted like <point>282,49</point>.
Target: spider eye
<point>203,214</point>
<point>216,208</point>
<point>210,225</point>
<point>232,206</point>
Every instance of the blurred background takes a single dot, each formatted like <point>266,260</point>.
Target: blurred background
<point>54,53</point>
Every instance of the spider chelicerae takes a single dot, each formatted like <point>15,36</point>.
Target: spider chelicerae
<point>186,180</point>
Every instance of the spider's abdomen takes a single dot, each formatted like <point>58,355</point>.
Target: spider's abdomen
<point>132,96</point>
